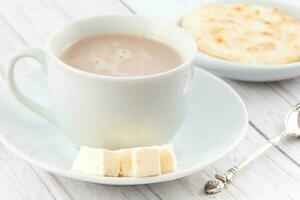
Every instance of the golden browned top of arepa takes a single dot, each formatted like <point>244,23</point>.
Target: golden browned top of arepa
<point>245,33</point>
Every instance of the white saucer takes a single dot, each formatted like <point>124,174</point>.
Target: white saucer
<point>216,122</point>
<point>248,72</point>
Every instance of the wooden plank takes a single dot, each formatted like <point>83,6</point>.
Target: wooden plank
<point>34,21</point>
<point>83,190</point>
<point>10,41</point>
<point>267,110</point>
<point>160,9</point>
<point>57,190</point>
<point>91,8</point>
<point>19,180</point>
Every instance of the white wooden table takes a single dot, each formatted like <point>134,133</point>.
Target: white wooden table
<point>274,176</point>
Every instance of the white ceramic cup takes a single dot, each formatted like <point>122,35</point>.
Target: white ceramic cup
<point>107,111</point>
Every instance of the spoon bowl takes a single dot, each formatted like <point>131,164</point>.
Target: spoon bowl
<point>292,122</point>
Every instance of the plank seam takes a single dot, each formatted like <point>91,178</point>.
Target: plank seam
<point>40,178</point>
<point>138,189</point>
<point>128,7</point>
<point>61,185</point>
<point>157,195</point>
<point>63,11</point>
<point>274,89</point>
<point>278,148</point>
<point>2,18</point>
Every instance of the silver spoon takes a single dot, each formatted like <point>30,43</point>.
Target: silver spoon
<point>292,128</point>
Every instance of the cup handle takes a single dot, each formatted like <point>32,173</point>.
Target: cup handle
<point>40,56</point>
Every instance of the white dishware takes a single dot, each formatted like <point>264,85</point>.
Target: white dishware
<point>108,111</point>
<point>249,72</point>
<point>215,123</point>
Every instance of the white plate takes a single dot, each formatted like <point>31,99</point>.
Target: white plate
<point>249,72</point>
<point>216,122</point>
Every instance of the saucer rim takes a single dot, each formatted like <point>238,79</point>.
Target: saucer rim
<point>197,167</point>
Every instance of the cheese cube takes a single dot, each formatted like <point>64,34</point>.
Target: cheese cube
<point>167,159</point>
<point>146,161</point>
<point>111,162</point>
<point>126,162</point>
<point>97,162</point>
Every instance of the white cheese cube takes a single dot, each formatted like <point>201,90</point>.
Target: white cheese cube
<point>126,162</point>
<point>97,162</point>
<point>167,159</point>
<point>112,163</point>
<point>146,161</point>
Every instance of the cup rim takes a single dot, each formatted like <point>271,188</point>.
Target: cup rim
<point>177,69</point>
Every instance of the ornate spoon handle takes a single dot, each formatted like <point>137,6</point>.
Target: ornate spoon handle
<point>216,185</point>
